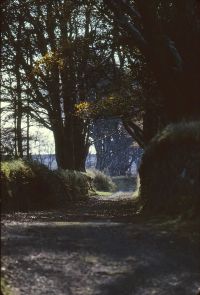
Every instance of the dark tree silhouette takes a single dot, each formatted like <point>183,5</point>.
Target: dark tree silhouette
<point>167,33</point>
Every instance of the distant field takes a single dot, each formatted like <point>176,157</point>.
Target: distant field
<point>125,183</point>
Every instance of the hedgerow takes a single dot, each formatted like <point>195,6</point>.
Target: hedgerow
<point>32,186</point>
<point>170,170</point>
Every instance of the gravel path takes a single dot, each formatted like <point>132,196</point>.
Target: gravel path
<point>92,248</point>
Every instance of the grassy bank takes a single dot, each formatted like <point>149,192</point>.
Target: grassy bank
<point>170,171</point>
<point>5,288</point>
<point>30,186</point>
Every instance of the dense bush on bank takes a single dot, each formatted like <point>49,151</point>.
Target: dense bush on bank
<point>170,171</point>
<point>30,186</point>
<point>101,181</point>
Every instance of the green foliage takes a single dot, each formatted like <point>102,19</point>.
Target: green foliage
<point>170,170</point>
<point>30,186</point>
<point>101,181</point>
<point>76,183</point>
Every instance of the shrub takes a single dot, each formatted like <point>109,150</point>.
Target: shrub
<point>100,181</point>
<point>170,170</point>
<point>32,186</point>
<point>125,183</point>
<point>76,183</point>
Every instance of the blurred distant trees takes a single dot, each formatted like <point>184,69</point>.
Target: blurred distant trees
<point>114,147</point>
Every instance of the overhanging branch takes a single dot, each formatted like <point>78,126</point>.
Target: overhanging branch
<point>120,10</point>
<point>135,131</point>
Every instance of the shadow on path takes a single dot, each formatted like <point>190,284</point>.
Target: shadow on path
<point>53,255</point>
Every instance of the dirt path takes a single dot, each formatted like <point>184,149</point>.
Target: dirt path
<point>95,249</point>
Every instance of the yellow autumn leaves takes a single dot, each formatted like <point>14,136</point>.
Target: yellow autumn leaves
<point>107,106</point>
<point>47,62</point>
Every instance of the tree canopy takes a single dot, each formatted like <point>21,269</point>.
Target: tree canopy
<point>68,63</point>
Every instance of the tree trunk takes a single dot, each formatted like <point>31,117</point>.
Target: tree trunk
<point>71,146</point>
<point>19,95</point>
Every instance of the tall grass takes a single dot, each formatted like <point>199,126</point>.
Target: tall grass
<point>101,181</point>
<point>32,186</point>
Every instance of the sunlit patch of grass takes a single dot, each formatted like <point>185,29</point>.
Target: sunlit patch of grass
<point>104,194</point>
<point>5,288</point>
<point>11,168</point>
